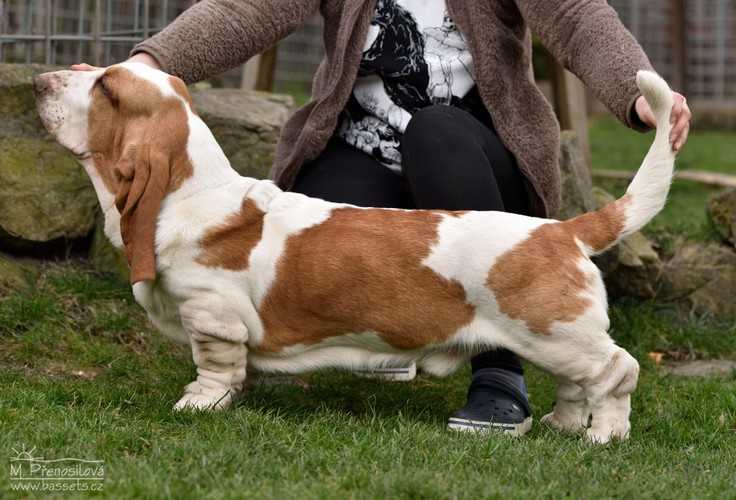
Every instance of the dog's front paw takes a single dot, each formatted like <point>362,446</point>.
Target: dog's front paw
<point>198,398</point>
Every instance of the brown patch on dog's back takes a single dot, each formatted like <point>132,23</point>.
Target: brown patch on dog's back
<point>230,244</point>
<point>361,271</point>
<point>601,228</point>
<point>539,281</point>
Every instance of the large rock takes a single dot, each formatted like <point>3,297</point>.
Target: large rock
<point>106,258</point>
<point>721,210</point>
<point>576,186</point>
<point>702,278</point>
<point>702,368</point>
<point>45,196</point>
<point>247,124</point>
<point>17,102</point>
<point>633,267</point>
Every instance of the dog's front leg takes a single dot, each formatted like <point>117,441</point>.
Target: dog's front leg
<point>218,338</point>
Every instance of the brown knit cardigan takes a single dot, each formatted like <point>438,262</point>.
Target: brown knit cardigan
<point>586,36</point>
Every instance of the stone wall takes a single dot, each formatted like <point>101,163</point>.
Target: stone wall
<point>46,199</point>
<point>44,195</point>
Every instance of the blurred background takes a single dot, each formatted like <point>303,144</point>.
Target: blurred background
<point>692,43</point>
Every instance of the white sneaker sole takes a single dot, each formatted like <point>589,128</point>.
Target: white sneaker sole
<point>466,425</point>
<point>401,374</point>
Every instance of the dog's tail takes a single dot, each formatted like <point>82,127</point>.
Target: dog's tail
<point>647,193</point>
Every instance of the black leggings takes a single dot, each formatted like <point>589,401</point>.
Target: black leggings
<point>450,161</point>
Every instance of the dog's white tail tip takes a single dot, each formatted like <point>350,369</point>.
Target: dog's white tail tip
<point>655,90</point>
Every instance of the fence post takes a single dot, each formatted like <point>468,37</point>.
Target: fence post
<point>47,30</point>
<point>27,16</point>
<point>570,105</point>
<point>146,18</point>
<point>249,75</point>
<point>96,33</point>
<point>2,29</point>
<point>80,30</point>
<point>164,14</point>
<point>266,69</point>
<point>677,31</point>
<point>108,30</point>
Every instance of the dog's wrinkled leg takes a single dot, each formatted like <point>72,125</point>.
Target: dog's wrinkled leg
<point>571,408</point>
<point>609,398</point>
<point>610,419</point>
<point>218,340</point>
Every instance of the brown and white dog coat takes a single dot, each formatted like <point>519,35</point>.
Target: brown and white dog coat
<point>256,277</point>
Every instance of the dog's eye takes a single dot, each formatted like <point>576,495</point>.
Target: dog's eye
<point>102,82</point>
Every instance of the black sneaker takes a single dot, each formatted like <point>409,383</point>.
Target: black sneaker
<point>498,401</point>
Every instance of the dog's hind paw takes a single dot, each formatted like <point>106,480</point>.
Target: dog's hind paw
<point>604,435</point>
<point>570,425</point>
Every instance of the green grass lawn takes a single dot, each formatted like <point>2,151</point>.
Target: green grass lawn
<point>83,375</point>
<point>616,147</point>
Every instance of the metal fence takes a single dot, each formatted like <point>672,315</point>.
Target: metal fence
<point>299,54</point>
<point>690,42</point>
<point>66,31</point>
<point>102,32</point>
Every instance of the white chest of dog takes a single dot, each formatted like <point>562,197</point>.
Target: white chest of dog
<point>257,278</point>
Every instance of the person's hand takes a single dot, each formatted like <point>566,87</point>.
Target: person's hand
<point>140,57</point>
<point>680,119</point>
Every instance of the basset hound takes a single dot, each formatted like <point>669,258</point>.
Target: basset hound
<point>257,278</point>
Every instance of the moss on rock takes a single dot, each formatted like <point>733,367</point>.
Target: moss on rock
<point>702,277</point>
<point>14,276</point>
<point>722,213</point>
<point>246,124</point>
<point>44,193</point>
<point>17,101</point>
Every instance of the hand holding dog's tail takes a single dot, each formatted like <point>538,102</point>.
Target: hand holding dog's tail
<point>647,193</point>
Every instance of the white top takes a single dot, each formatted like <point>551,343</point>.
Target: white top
<point>414,57</point>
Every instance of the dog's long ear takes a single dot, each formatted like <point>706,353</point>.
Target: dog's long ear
<point>143,174</point>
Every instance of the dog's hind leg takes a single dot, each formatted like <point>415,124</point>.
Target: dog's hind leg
<point>610,419</point>
<point>571,411</point>
<point>597,377</point>
<point>609,398</point>
<point>218,338</point>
